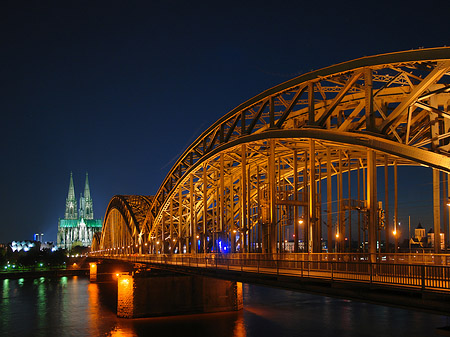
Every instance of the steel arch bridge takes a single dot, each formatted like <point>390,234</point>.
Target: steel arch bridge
<point>264,173</point>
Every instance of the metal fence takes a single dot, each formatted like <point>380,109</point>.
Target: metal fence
<point>342,267</point>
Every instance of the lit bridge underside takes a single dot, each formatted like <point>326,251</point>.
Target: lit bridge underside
<point>268,177</point>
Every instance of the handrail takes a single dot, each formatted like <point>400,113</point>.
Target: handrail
<point>419,276</point>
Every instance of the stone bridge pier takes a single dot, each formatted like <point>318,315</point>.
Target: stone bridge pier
<point>149,293</point>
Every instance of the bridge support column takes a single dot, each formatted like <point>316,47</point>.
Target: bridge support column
<point>313,218</point>
<point>272,226</point>
<point>372,202</point>
<point>93,272</point>
<point>296,217</point>
<point>436,211</point>
<point>329,204</point>
<point>173,294</point>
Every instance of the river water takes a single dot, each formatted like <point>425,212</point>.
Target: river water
<point>72,306</point>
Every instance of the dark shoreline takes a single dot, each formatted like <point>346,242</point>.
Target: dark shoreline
<point>45,273</point>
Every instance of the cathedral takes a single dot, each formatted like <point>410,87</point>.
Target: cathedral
<point>78,226</point>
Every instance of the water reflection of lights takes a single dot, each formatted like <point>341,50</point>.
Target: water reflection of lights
<point>122,331</point>
<point>239,327</point>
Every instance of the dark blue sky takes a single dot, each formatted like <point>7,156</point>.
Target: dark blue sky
<point>120,88</point>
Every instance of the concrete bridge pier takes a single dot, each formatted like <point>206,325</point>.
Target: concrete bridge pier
<point>93,272</point>
<point>149,294</point>
<point>106,272</point>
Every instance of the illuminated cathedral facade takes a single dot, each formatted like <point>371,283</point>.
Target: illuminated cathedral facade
<point>78,226</point>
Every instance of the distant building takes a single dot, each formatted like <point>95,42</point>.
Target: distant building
<point>422,239</point>
<point>431,239</point>
<point>25,245</point>
<point>39,237</point>
<point>78,226</point>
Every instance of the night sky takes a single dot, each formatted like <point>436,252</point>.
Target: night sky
<point>119,89</point>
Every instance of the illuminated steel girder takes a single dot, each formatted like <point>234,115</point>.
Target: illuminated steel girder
<point>256,172</point>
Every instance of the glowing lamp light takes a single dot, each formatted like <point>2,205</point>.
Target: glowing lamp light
<point>394,232</point>
<point>300,221</point>
<point>337,235</point>
<point>157,242</point>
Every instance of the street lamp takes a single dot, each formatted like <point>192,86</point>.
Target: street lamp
<point>336,241</point>
<point>396,238</point>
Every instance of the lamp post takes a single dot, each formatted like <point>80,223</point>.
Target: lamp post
<point>409,233</point>
<point>336,241</point>
<point>300,222</point>
<point>395,232</point>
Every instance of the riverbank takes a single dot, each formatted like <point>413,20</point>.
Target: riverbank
<point>44,273</point>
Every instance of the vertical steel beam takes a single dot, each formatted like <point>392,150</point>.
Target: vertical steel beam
<point>319,203</point>
<point>279,188</point>
<point>258,206</point>
<point>163,239</point>
<point>445,208</point>
<point>358,178</point>
<point>372,203</point>
<point>271,112</point>
<point>272,198</point>
<point>180,216</point>
<point>192,225</point>
<point>386,203</point>
<point>305,198</point>
<point>311,117</point>
<point>296,218</point>
<point>171,227</point>
<point>396,231</point>
<point>222,195</point>
<point>243,198</point>
<point>248,223</point>
<point>447,205</point>
<point>315,238</point>
<point>329,203</point>
<point>341,231</point>
<point>216,233</point>
<point>349,203</point>
<point>232,224</point>
<point>205,206</point>
<point>436,212</point>
<point>368,90</point>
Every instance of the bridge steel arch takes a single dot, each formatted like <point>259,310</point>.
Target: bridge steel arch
<point>122,226</point>
<point>262,173</point>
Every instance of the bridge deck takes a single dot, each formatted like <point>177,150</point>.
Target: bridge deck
<point>435,278</point>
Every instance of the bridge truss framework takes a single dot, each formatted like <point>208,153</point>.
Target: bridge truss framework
<point>263,174</point>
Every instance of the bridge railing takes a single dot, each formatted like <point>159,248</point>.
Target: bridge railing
<point>331,267</point>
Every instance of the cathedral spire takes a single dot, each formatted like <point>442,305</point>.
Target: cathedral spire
<point>88,207</point>
<point>71,202</point>
<point>87,193</point>
<point>71,194</point>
